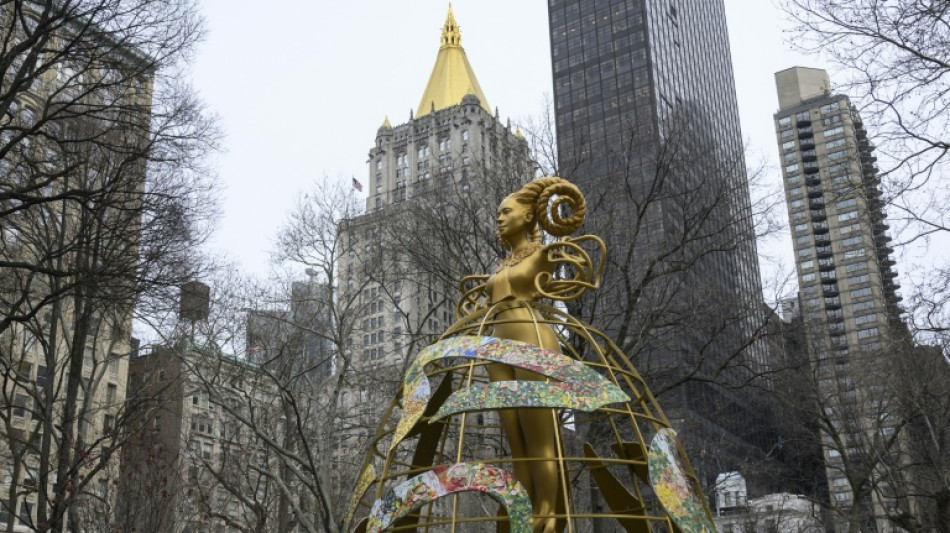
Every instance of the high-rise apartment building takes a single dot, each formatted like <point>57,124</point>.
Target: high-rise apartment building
<point>648,127</point>
<point>846,276</point>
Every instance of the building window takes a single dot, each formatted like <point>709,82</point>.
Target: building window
<point>865,319</point>
<point>830,145</point>
<point>850,202</point>
<point>861,306</point>
<point>856,280</point>
<point>785,122</point>
<point>833,131</point>
<point>829,108</point>
<point>851,215</point>
<point>833,119</point>
<point>794,179</point>
<point>797,203</point>
<point>854,267</point>
<point>852,241</point>
<point>21,404</point>
<point>808,265</point>
<point>867,333</point>
<point>844,179</point>
<point>849,228</point>
<point>851,254</point>
<point>788,145</point>
<point>861,293</point>
<point>791,168</point>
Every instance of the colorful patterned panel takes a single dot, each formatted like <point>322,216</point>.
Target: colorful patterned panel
<point>674,488</point>
<point>512,394</point>
<point>446,480</point>
<point>367,477</point>
<point>416,389</point>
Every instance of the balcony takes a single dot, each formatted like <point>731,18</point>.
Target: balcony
<point>830,289</point>
<point>810,167</point>
<point>805,133</point>
<point>825,265</point>
<point>818,215</point>
<point>823,240</point>
<point>888,262</point>
<point>816,203</point>
<point>823,251</point>
<point>812,179</point>
<point>809,155</point>
<point>820,228</point>
<point>814,192</point>
<point>833,303</point>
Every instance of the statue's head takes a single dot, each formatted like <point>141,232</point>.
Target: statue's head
<point>516,217</point>
<point>530,209</point>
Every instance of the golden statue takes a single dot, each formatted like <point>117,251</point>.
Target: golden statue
<point>545,374</point>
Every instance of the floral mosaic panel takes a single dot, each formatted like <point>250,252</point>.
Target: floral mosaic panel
<point>674,488</point>
<point>445,480</point>
<point>417,391</point>
<point>519,394</point>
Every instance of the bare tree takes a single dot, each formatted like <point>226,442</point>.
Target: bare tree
<point>873,417</point>
<point>897,57</point>
<point>102,203</point>
<point>293,404</point>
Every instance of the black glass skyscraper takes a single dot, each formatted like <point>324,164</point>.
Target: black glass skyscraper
<point>648,126</point>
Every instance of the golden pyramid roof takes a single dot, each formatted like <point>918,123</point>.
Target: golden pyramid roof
<point>452,76</point>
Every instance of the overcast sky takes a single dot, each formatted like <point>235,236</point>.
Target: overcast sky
<point>301,87</point>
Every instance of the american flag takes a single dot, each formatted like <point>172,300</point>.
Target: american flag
<point>357,185</point>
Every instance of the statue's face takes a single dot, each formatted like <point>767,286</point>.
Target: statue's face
<point>513,219</point>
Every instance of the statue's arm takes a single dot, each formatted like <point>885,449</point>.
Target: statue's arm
<point>474,295</point>
<point>569,269</point>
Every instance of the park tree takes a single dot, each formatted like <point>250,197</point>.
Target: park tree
<point>103,202</point>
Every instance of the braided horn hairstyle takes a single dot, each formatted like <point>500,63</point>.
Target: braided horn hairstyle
<point>548,215</point>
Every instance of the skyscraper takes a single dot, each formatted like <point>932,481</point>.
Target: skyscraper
<point>434,183</point>
<point>445,156</point>
<point>845,271</point>
<point>648,126</point>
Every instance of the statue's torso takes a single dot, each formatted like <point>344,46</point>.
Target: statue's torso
<point>513,289</point>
